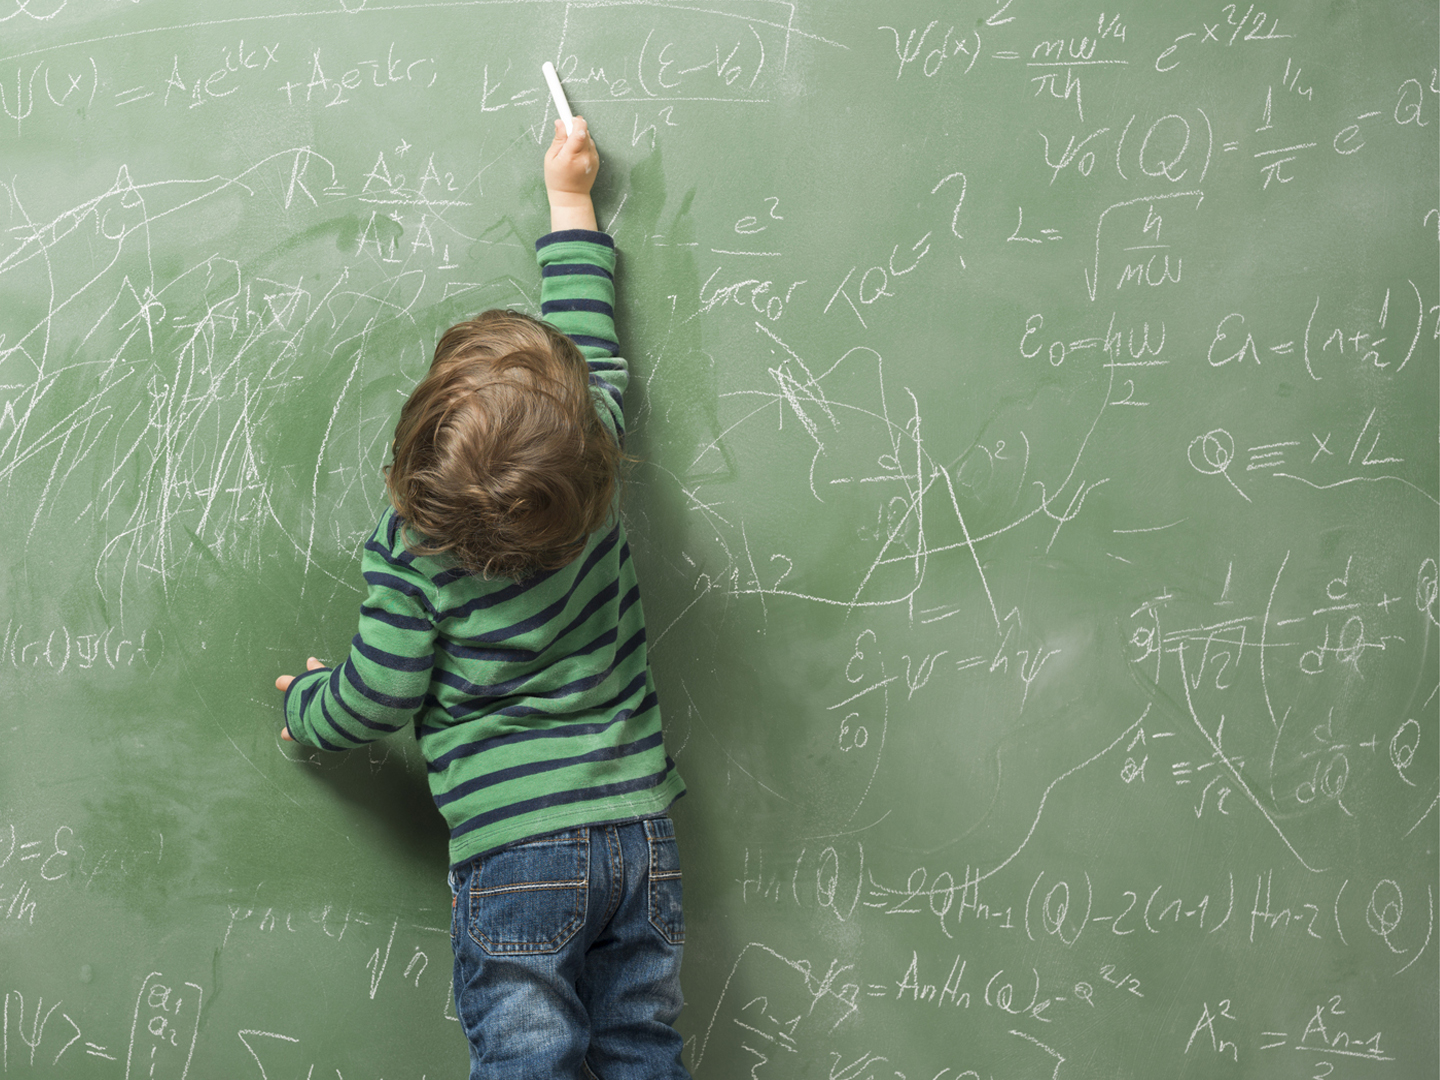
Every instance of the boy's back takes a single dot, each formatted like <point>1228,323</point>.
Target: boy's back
<point>532,699</point>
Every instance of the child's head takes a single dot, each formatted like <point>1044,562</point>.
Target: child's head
<point>500,458</point>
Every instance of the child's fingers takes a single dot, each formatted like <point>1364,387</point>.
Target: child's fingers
<point>579,136</point>
<point>557,145</point>
<point>284,681</point>
<point>580,148</point>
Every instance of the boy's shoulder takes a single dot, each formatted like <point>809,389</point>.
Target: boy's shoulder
<point>388,551</point>
<point>388,539</point>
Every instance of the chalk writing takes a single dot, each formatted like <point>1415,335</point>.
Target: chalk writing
<point>1033,412</point>
<point>31,1022</point>
<point>364,75</point>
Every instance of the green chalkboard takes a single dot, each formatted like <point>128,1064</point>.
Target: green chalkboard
<point>1036,495</point>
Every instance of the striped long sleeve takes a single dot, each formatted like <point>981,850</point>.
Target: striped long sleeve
<point>385,679</point>
<point>533,700</point>
<point>577,296</point>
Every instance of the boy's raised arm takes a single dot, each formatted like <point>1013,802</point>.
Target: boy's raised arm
<point>577,288</point>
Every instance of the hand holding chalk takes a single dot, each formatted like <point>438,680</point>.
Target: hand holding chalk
<point>570,150</point>
<point>571,165</point>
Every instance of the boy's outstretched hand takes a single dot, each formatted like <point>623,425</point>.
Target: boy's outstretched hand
<point>571,165</point>
<point>283,683</point>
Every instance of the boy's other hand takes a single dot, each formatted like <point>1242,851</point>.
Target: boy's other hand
<point>283,683</point>
<point>571,165</point>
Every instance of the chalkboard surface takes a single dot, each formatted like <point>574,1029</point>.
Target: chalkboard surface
<point>1036,503</point>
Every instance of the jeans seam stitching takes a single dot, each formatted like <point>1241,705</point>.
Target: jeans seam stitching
<point>617,874</point>
<point>529,886</point>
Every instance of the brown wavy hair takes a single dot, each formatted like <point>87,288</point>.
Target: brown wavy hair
<point>500,458</point>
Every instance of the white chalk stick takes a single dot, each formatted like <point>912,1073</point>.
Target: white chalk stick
<point>561,105</point>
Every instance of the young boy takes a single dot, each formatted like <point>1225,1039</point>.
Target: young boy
<point>503,621</point>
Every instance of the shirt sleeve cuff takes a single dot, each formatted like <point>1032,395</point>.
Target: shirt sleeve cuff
<point>296,697</point>
<point>588,236</point>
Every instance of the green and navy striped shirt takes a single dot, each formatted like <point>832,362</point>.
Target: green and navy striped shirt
<point>532,700</point>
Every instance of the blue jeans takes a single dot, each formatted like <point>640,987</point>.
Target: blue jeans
<point>567,955</point>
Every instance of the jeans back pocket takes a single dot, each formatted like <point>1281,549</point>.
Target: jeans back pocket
<point>666,911</point>
<point>530,897</point>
